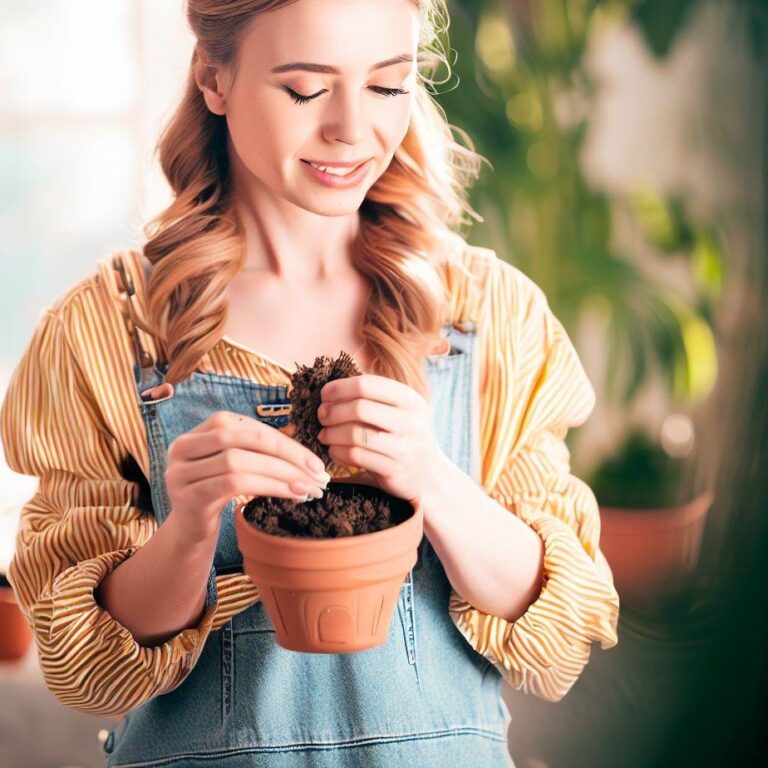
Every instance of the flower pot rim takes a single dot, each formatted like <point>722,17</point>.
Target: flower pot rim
<point>680,514</point>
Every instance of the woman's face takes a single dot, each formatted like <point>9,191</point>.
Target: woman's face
<point>355,115</point>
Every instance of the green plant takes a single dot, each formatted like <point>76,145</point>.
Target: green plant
<point>639,475</point>
<point>529,114</point>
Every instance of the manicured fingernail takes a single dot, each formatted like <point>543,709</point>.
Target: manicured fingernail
<point>323,478</point>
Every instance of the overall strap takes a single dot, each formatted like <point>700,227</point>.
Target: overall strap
<point>128,309</point>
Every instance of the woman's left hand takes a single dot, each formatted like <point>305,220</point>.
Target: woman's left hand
<point>385,427</point>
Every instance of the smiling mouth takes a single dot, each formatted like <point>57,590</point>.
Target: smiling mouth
<point>335,170</point>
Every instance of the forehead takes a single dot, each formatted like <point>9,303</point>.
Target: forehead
<point>349,34</point>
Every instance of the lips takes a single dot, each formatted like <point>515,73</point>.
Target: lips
<point>347,178</point>
<point>336,164</point>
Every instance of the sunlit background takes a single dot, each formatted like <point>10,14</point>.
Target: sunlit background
<point>628,141</point>
<point>85,88</point>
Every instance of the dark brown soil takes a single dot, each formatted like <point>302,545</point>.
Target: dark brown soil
<point>335,514</point>
<point>328,518</point>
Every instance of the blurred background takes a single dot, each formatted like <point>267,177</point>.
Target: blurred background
<point>629,143</point>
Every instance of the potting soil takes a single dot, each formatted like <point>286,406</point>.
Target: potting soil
<point>334,514</point>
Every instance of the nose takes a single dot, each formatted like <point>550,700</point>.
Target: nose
<point>346,121</point>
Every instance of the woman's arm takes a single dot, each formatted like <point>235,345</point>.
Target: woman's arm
<point>534,390</point>
<point>78,528</point>
<point>492,559</point>
<point>162,588</point>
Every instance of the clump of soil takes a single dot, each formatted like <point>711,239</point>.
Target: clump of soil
<point>335,514</point>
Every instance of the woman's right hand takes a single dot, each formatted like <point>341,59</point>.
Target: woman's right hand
<point>227,455</point>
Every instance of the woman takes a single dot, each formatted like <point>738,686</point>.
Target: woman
<point>126,563</point>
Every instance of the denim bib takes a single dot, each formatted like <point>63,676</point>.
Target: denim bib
<point>424,698</point>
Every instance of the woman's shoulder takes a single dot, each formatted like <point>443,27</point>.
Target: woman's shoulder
<point>80,360</point>
<point>92,309</point>
<point>482,286</point>
<point>100,286</point>
<point>464,270</point>
<point>92,312</point>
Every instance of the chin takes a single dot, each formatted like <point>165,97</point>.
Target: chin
<point>323,204</point>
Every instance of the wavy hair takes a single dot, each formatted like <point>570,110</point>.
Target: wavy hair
<point>409,220</point>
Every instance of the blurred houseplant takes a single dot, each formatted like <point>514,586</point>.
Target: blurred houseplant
<point>541,215</point>
<point>529,113</point>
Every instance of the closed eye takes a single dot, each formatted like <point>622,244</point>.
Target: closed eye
<point>299,99</point>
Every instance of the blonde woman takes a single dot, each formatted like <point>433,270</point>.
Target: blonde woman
<point>318,194</point>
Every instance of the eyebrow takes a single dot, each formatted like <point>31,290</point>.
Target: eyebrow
<point>328,69</point>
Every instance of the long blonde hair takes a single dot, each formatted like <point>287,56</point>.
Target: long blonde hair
<point>409,221</point>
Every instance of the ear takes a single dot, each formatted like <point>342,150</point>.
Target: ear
<point>209,80</point>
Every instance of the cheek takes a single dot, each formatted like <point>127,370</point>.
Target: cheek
<point>395,125</point>
<point>265,132</point>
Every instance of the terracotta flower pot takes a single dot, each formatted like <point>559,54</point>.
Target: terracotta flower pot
<point>15,634</point>
<point>332,595</point>
<point>653,552</point>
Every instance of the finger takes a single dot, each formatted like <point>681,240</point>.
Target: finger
<point>222,488</point>
<point>370,412</point>
<point>365,459</point>
<point>253,436</point>
<point>222,419</point>
<point>238,460</point>
<point>370,386</point>
<point>351,434</point>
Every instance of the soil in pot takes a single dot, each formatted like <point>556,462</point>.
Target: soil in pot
<point>335,514</point>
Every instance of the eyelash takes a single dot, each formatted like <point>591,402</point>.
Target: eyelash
<point>299,99</point>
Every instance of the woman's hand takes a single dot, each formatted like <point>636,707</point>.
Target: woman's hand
<point>384,427</point>
<point>229,455</point>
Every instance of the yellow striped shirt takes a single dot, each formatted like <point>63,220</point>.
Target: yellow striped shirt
<point>70,417</point>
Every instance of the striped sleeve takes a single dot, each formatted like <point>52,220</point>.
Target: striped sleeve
<point>534,389</point>
<point>78,527</point>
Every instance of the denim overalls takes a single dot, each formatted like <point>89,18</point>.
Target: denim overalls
<point>425,698</point>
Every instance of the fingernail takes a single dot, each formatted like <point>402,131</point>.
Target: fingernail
<point>323,478</point>
<point>315,464</point>
<point>146,395</point>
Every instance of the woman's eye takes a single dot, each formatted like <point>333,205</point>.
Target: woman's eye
<point>388,91</point>
<point>299,99</point>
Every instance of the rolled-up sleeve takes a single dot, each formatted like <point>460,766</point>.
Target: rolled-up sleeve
<point>79,526</point>
<point>540,390</point>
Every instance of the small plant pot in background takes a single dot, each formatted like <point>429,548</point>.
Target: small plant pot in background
<point>15,634</point>
<point>333,595</point>
<point>653,552</point>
